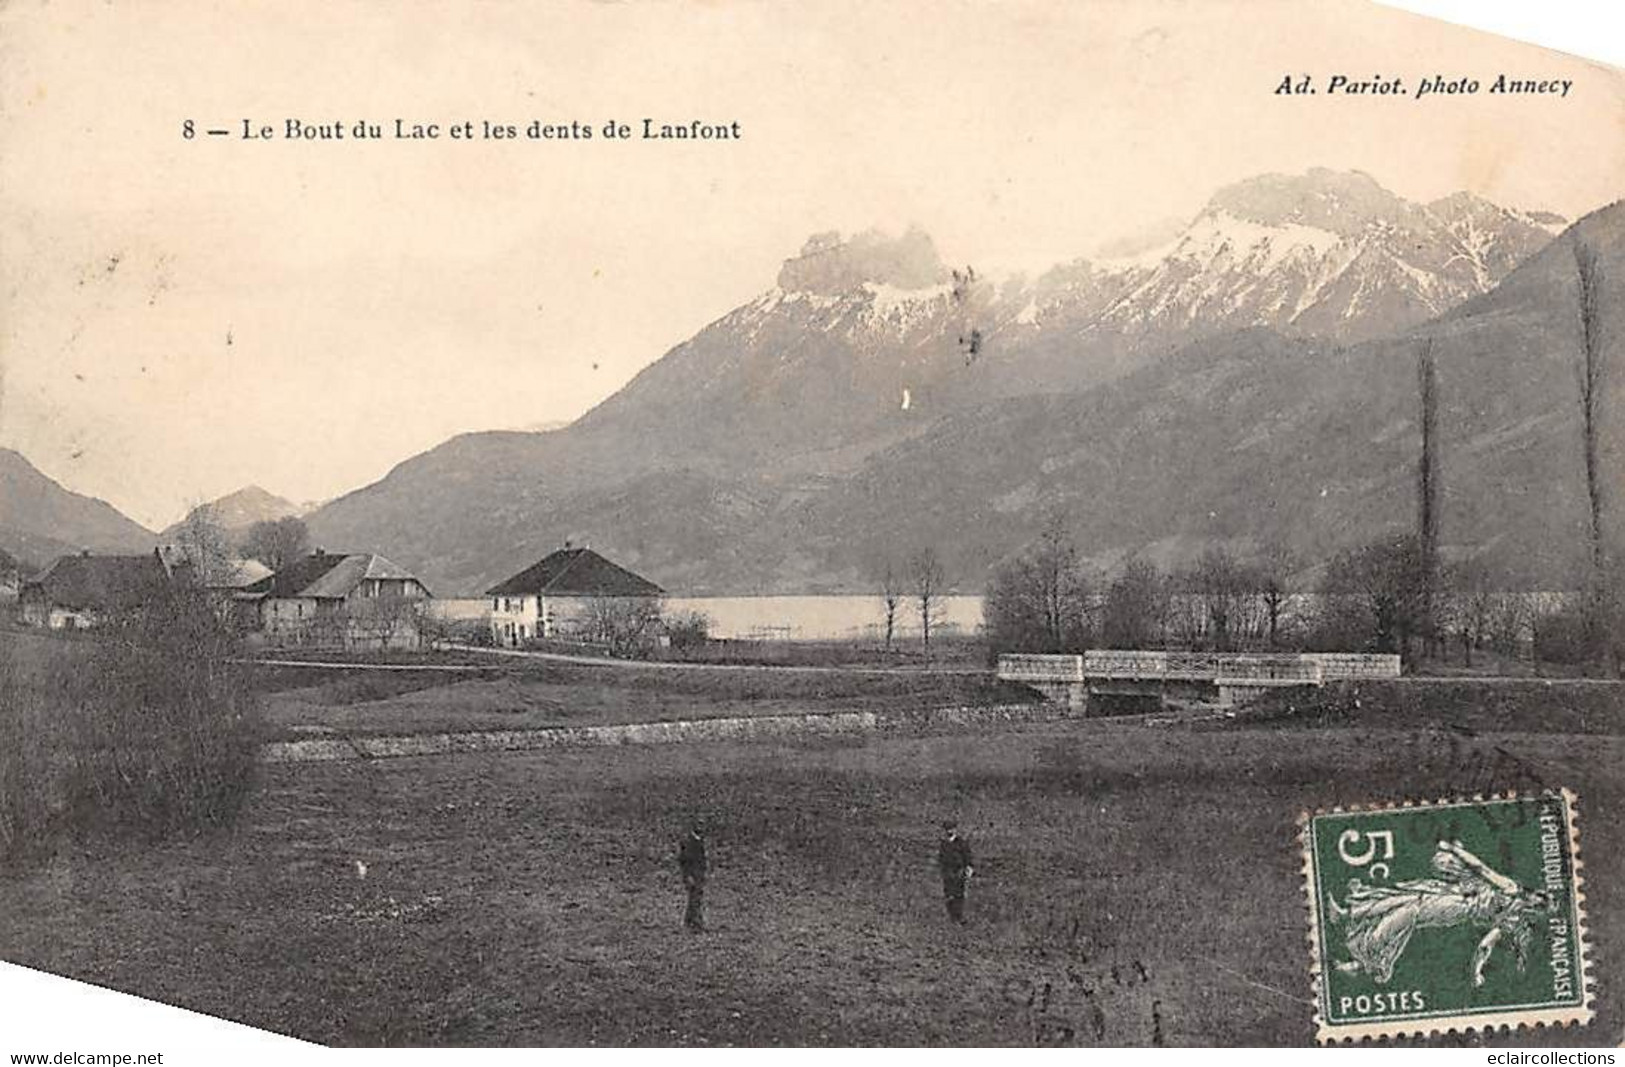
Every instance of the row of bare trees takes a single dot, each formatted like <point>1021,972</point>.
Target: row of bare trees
<point>1046,600</point>
<point>918,584</point>
<point>1375,597</point>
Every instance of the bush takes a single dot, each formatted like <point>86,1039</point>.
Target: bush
<point>147,727</point>
<point>688,629</point>
<point>1564,637</point>
<point>31,794</point>
<point>166,722</point>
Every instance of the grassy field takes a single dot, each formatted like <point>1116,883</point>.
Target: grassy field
<point>509,697</point>
<point>1463,706</point>
<point>1134,885</point>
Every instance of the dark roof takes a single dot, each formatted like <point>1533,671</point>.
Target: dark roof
<point>100,583</point>
<point>300,574</point>
<point>576,572</point>
<point>333,576</point>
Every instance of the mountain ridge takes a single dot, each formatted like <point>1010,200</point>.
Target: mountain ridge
<point>40,519</point>
<point>737,462</point>
<point>238,510</point>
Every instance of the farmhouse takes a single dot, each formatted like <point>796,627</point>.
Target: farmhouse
<point>562,595</point>
<point>238,586</point>
<point>79,592</point>
<point>344,600</point>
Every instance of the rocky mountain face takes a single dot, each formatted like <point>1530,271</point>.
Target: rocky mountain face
<point>235,512</point>
<point>825,357</point>
<point>1254,376</point>
<point>40,520</point>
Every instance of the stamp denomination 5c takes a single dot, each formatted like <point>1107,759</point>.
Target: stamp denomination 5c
<point>1443,916</point>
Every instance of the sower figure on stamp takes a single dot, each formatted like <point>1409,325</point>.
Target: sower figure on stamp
<point>691,861</point>
<point>953,860</point>
<point>1378,921</point>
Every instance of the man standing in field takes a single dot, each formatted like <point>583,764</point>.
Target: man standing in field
<point>691,861</point>
<point>953,860</point>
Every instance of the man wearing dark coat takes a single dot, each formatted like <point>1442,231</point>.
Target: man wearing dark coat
<point>953,860</point>
<point>691,861</point>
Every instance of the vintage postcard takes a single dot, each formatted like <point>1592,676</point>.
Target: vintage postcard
<point>731,523</point>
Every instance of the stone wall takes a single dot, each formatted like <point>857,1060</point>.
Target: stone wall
<point>745,728</point>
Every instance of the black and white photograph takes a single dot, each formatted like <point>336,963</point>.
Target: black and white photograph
<point>734,523</point>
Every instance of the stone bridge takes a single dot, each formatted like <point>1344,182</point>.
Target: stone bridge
<point>1228,677</point>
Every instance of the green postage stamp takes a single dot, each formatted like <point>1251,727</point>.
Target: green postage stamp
<point>1453,915</point>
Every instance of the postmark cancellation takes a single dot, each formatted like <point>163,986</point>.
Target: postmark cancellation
<point>1452,915</point>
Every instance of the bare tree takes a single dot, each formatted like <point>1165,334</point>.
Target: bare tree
<point>1136,611</point>
<point>1223,589</point>
<point>204,554</point>
<point>1374,593</point>
<point>384,621</point>
<point>1511,620</point>
<point>1427,490</point>
<point>1470,606</point>
<point>925,574</point>
<point>1039,601</point>
<point>891,598</point>
<point>1590,375</point>
<point>1273,574</point>
<point>627,624</point>
<point>277,542</point>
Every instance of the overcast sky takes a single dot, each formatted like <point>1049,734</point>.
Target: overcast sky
<point>181,318</point>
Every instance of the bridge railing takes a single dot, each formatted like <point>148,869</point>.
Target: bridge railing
<point>1353,666</point>
<point>1236,668</point>
<point>1268,669</point>
<point>1033,668</point>
<point>1124,663</point>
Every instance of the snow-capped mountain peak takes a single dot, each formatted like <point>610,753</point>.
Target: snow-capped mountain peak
<point>1324,253</point>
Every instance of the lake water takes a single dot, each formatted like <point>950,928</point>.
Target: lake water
<point>824,618</point>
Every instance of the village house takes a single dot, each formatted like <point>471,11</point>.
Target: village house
<point>356,601</point>
<point>238,586</point>
<point>83,591</point>
<point>565,595</point>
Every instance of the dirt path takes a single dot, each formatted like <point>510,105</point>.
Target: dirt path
<point>669,665</point>
<point>332,665</point>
